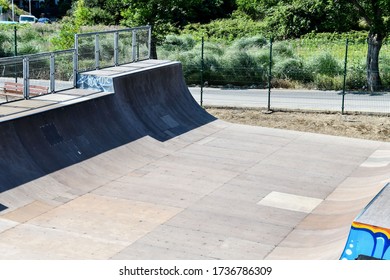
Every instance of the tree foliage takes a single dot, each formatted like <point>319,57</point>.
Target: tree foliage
<point>140,12</point>
<point>226,30</point>
<point>376,14</point>
<point>281,19</point>
<point>164,16</point>
<point>5,5</point>
<point>288,19</point>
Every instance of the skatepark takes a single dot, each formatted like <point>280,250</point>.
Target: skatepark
<point>141,171</point>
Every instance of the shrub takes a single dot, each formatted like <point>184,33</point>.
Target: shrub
<point>65,38</point>
<point>262,58</point>
<point>293,69</point>
<point>282,49</point>
<point>86,49</point>
<point>64,68</point>
<point>191,65</point>
<point>241,68</point>
<point>385,72</point>
<point>28,48</point>
<point>358,37</point>
<point>227,30</point>
<point>212,70</point>
<point>386,79</point>
<point>325,82</point>
<point>176,42</point>
<point>27,35</point>
<point>356,77</point>
<point>212,48</point>
<point>107,49</point>
<point>251,42</point>
<point>325,64</point>
<point>284,83</point>
<point>6,44</point>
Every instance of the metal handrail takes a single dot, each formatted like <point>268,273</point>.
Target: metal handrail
<point>116,33</point>
<point>113,31</point>
<point>26,59</point>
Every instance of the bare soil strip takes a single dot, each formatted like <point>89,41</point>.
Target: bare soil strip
<point>370,127</point>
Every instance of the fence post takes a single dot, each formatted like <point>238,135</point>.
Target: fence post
<point>97,52</point>
<point>269,75</point>
<point>137,39</point>
<point>52,72</point>
<point>345,76</point>
<point>201,72</point>
<point>116,48</point>
<point>134,46</point>
<point>75,60</point>
<point>150,42</point>
<point>15,51</point>
<point>26,78</point>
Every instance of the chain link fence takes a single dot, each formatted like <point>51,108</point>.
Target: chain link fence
<point>323,75</point>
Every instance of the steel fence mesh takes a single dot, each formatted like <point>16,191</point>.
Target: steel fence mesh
<point>325,75</point>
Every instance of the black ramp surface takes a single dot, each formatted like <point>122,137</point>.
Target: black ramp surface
<point>155,102</point>
<point>161,101</point>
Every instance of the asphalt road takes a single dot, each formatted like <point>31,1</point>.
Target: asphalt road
<point>294,99</point>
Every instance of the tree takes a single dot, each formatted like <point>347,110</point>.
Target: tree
<point>376,14</point>
<point>165,16</point>
<point>257,9</point>
<point>293,18</point>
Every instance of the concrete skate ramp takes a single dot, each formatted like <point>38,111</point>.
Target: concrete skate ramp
<point>147,103</point>
<point>145,173</point>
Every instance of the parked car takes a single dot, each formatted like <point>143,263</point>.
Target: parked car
<point>44,20</point>
<point>27,19</point>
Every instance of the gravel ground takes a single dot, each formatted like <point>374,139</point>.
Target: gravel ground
<point>371,127</point>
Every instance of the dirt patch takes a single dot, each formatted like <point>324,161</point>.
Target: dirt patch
<point>371,127</point>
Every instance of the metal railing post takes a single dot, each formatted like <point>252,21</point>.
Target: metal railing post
<point>137,40</point>
<point>116,48</point>
<point>26,78</point>
<point>52,73</point>
<point>75,60</point>
<point>15,50</point>
<point>134,46</point>
<point>150,42</point>
<point>97,52</point>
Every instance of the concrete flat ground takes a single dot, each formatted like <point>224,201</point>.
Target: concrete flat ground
<point>221,191</point>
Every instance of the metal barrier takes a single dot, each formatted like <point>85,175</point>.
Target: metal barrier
<point>97,50</point>
<point>318,75</point>
<point>58,70</point>
<point>50,70</point>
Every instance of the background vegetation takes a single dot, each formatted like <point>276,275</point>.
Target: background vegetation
<point>315,61</point>
<point>308,50</point>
